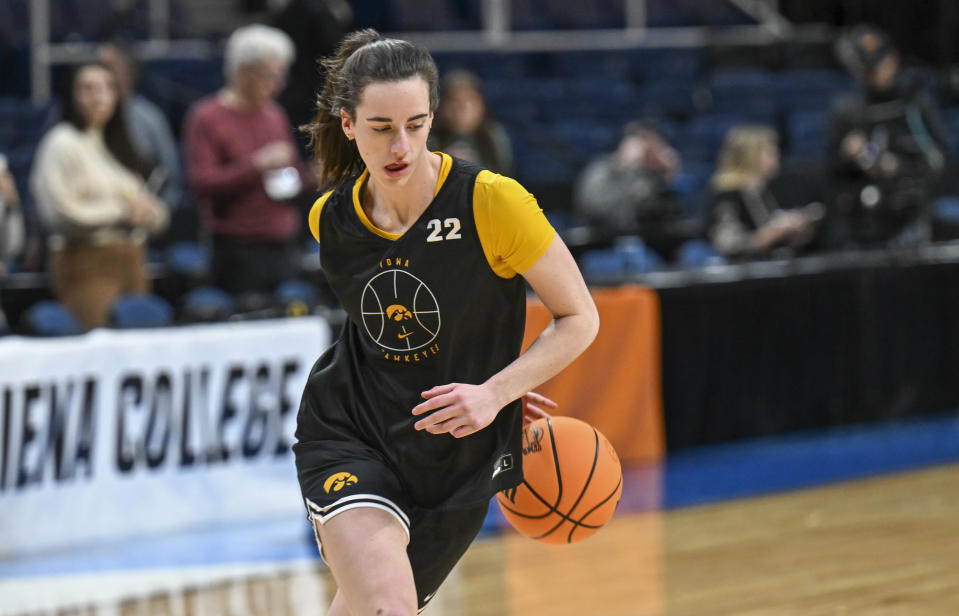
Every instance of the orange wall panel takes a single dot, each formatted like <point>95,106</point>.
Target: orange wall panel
<point>615,385</point>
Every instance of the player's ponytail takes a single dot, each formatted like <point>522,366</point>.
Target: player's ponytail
<point>363,57</point>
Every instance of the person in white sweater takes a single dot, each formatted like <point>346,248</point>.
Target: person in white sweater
<point>87,181</point>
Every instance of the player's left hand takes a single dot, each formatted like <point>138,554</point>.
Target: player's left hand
<point>457,408</point>
<point>533,404</point>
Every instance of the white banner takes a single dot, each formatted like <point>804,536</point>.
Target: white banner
<point>122,433</point>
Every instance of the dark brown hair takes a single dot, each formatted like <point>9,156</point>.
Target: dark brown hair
<point>115,135</point>
<point>363,57</point>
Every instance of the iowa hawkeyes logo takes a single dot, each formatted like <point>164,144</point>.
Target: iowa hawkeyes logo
<point>336,482</point>
<point>399,311</point>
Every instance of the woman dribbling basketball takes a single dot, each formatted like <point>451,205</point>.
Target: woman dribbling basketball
<point>411,421</point>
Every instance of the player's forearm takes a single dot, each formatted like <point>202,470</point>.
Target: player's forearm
<point>559,344</point>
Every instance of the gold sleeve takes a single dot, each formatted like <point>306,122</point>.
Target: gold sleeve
<point>511,226</point>
<point>315,212</point>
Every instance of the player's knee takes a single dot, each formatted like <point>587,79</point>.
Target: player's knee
<point>395,601</point>
<point>395,607</point>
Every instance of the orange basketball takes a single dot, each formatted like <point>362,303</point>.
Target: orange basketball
<point>572,481</point>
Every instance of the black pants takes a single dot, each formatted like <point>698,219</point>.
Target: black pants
<point>252,266</point>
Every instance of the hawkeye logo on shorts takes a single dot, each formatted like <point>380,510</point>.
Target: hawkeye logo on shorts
<point>337,481</point>
<point>400,313</point>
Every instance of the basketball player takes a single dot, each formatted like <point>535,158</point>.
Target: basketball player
<point>412,420</point>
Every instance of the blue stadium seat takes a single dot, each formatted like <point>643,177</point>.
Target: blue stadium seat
<point>187,78</point>
<point>538,159</point>
<point>629,256</point>
<point>604,263</point>
<point>188,259</point>
<point>488,65</point>
<point>297,297</point>
<point>639,258</point>
<point>738,81</point>
<point>752,108</point>
<point>664,65</point>
<point>950,117</point>
<point>206,305</point>
<point>946,209</point>
<point>587,139</point>
<point>50,318</point>
<point>601,63</point>
<point>666,99</point>
<point>806,134</point>
<point>705,133</point>
<point>690,184</point>
<point>140,310</point>
<point>747,93</point>
<point>811,89</point>
<point>559,219</point>
<point>698,253</point>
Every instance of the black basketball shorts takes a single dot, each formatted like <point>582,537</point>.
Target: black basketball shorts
<point>333,480</point>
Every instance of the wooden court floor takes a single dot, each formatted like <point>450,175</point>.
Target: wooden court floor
<point>882,546</point>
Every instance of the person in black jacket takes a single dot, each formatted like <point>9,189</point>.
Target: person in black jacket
<point>886,145</point>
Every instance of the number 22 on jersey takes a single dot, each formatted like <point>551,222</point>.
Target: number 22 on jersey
<point>451,225</point>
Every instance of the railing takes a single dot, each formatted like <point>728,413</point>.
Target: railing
<point>496,33</point>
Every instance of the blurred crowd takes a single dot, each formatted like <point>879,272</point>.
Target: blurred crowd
<point>222,197</point>
<point>884,159</point>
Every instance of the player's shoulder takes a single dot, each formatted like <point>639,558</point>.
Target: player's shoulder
<point>315,211</point>
<point>495,186</point>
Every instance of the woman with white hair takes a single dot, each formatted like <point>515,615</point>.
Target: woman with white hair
<point>242,165</point>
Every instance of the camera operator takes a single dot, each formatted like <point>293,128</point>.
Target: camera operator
<point>887,144</point>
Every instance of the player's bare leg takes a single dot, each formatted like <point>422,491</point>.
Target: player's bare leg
<point>366,551</point>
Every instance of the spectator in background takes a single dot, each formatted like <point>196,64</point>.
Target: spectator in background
<point>88,184</point>
<point>244,168</point>
<point>743,219</point>
<point>886,143</point>
<point>11,225</point>
<point>463,127</point>
<point>627,192</point>
<point>146,125</point>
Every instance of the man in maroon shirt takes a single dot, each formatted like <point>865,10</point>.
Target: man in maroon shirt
<point>243,166</point>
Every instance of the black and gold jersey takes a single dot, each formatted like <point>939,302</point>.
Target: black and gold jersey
<point>441,303</point>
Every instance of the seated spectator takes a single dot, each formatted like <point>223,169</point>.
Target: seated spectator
<point>11,225</point>
<point>244,168</point>
<point>464,128</point>
<point>627,192</point>
<point>886,144</point>
<point>88,184</point>
<point>744,220</point>
<point>146,125</point>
